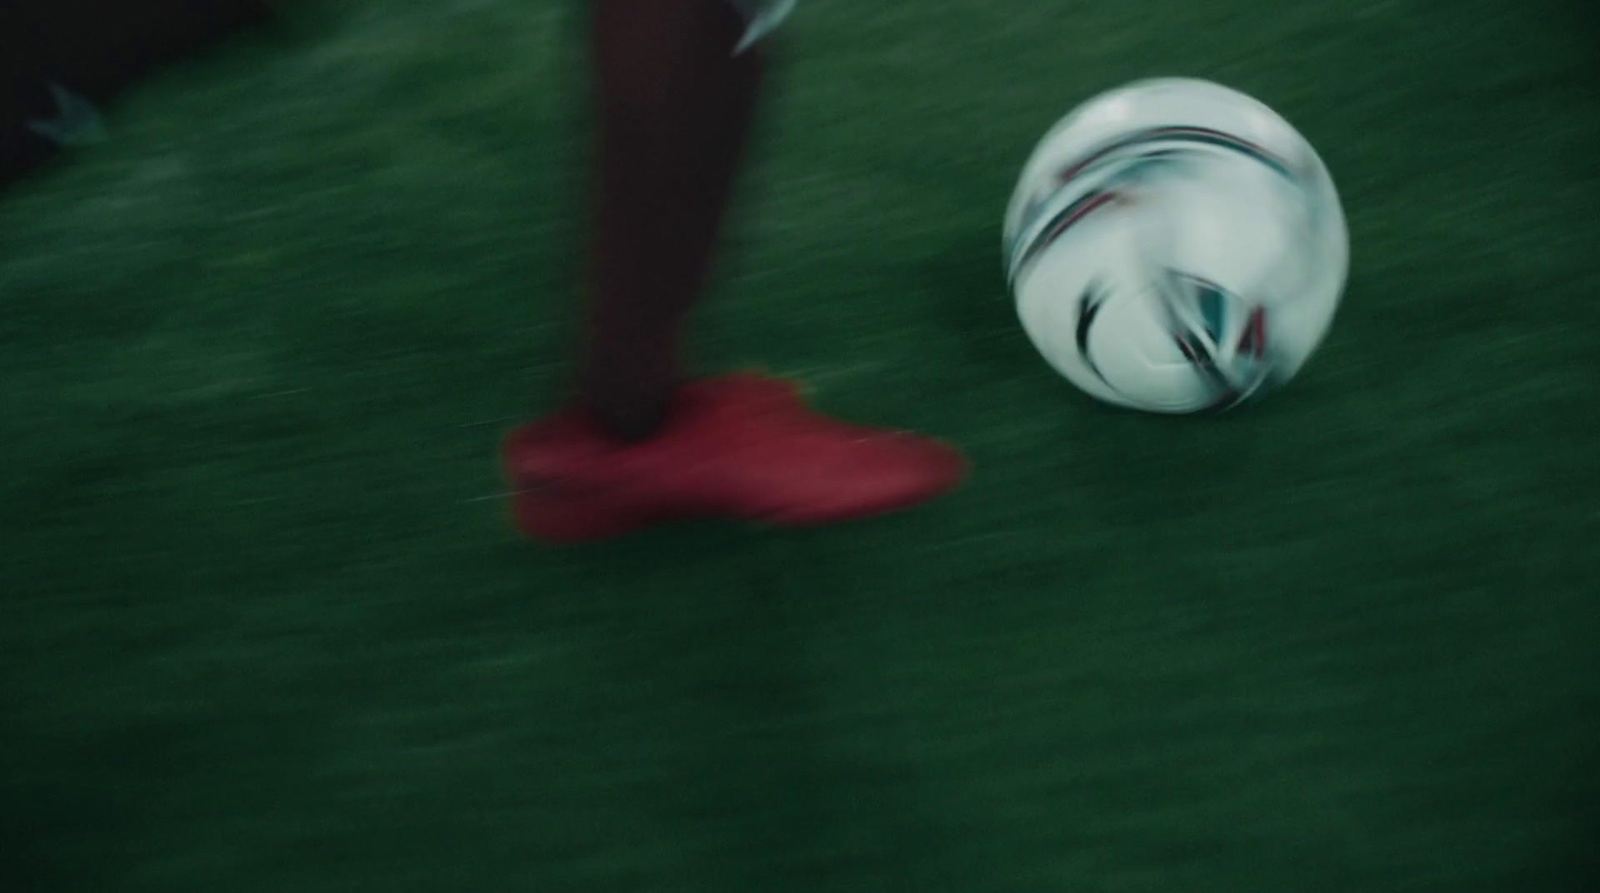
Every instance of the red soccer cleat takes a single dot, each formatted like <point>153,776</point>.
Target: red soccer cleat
<point>742,446</point>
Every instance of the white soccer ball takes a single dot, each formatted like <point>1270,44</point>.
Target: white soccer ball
<point>1176,246</point>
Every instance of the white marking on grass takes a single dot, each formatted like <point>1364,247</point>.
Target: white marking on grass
<point>269,396</point>
<point>491,497</point>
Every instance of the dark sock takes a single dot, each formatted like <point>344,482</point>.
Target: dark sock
<point>675,107</point>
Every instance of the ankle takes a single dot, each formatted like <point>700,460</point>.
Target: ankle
<point>628,422</point>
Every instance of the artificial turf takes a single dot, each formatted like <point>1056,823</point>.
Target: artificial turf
<point>263,625</point>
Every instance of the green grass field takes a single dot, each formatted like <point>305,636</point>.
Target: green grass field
<point>263,626</point>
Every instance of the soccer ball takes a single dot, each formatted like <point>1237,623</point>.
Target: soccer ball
<point>1176,246</point>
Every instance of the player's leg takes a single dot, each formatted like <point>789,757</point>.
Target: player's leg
<point>675,105</point>
<point>677,90</point>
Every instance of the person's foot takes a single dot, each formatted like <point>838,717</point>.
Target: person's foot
<point>741,446</point>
